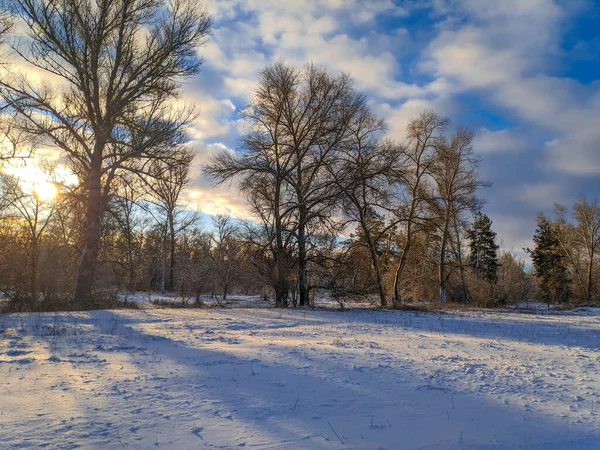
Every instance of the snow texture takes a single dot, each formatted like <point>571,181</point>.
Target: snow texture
<point>295,379</point>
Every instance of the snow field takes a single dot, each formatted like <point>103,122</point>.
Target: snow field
<point>295,379</point>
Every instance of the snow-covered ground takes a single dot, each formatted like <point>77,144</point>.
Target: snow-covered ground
<point>293,379</point>
<point>144,299</point>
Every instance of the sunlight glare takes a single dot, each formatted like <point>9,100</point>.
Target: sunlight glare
<point>34,180</point>
<point>45,191</point>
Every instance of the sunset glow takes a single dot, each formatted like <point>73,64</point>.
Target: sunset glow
<point>43,183</point>
<point>45,191</point>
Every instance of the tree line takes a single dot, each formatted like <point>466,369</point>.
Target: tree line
<point>565,250</point>
<point>336,207</point>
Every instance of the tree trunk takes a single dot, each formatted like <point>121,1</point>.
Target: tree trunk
<point>225,289</point>
<point>89,258</point>
<point>33,280</point>
<point>130,262</point>
<point>375,262</point>
<point>281,286</point>
<point>398,277</point>
<point>461,268</point>
<point>404,257</point>
<point>590,276</point>
<point>170,279</point>
<point>442,268</point>
<point>163,261</point>
<point>302,275</point>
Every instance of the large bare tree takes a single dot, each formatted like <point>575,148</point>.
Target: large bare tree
<point>118,65</point>
<point>300,117</point>
<point>363,171</point>
<point>417,156</point>
<point>318,111</point>
<point>455,172</point>
<point>263,167</point>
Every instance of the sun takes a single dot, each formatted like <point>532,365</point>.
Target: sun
<point>36,178</point>
<point>45,191</point>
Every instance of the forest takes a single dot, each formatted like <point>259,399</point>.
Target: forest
<point>337,209</point>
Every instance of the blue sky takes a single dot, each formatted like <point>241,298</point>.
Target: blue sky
<point>524,74</point>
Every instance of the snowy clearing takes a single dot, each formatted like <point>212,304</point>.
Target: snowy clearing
<point>294,379</point>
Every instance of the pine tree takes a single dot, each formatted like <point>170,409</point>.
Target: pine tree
<point>549,263</point>
<point>484,250</point>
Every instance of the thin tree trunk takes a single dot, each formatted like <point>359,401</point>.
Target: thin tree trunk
<point>442,267</point>
<point>590,276</point>
<point>281,285</point>
<point>398,278</point>
<point>164,262</point>
<point>404,256</point>
<point>130,260</point>
<point>375,263</point>
<point>34,267</point>
<point>170,280</point>
<point>302,275</point>
<point>460,264</point>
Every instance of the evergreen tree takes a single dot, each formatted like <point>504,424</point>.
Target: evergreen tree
<point>484,250</point>
<point>549,263</point>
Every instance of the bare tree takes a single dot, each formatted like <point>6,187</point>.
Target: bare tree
<point>165,188</point>
<point>456,177</point>
<point>417,156</point>
<point>587,234</point>
<point>119,65</point>
<point>6,19</point>
<point>571,248</point>
<point>124,207</point>
<point>264,166</point>
<point>319,109</point>
<point>33,212</point>
<point>363,171</point>
<point>225,252</point>
<point>300,117</point>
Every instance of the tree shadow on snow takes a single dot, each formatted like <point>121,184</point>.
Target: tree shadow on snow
<point>277,396</point>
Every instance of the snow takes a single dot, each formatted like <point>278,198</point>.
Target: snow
<point>298,379</point>
<point>144,299</point>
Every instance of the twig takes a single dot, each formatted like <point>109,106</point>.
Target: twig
<point>338,436</point>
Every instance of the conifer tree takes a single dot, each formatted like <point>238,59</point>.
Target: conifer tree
<point>549,263</point>
<point>484,250</point>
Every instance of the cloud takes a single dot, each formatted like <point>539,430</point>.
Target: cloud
<point>504,51</point>
<point>514,233</point>
<point>541,196</point>
<point>208,198</point>
<point>502,141</point>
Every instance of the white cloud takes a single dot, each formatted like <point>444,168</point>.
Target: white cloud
<point>514,233</point>
<point>504,51</point>
<point>502,141</point>
<point>210,199</point>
